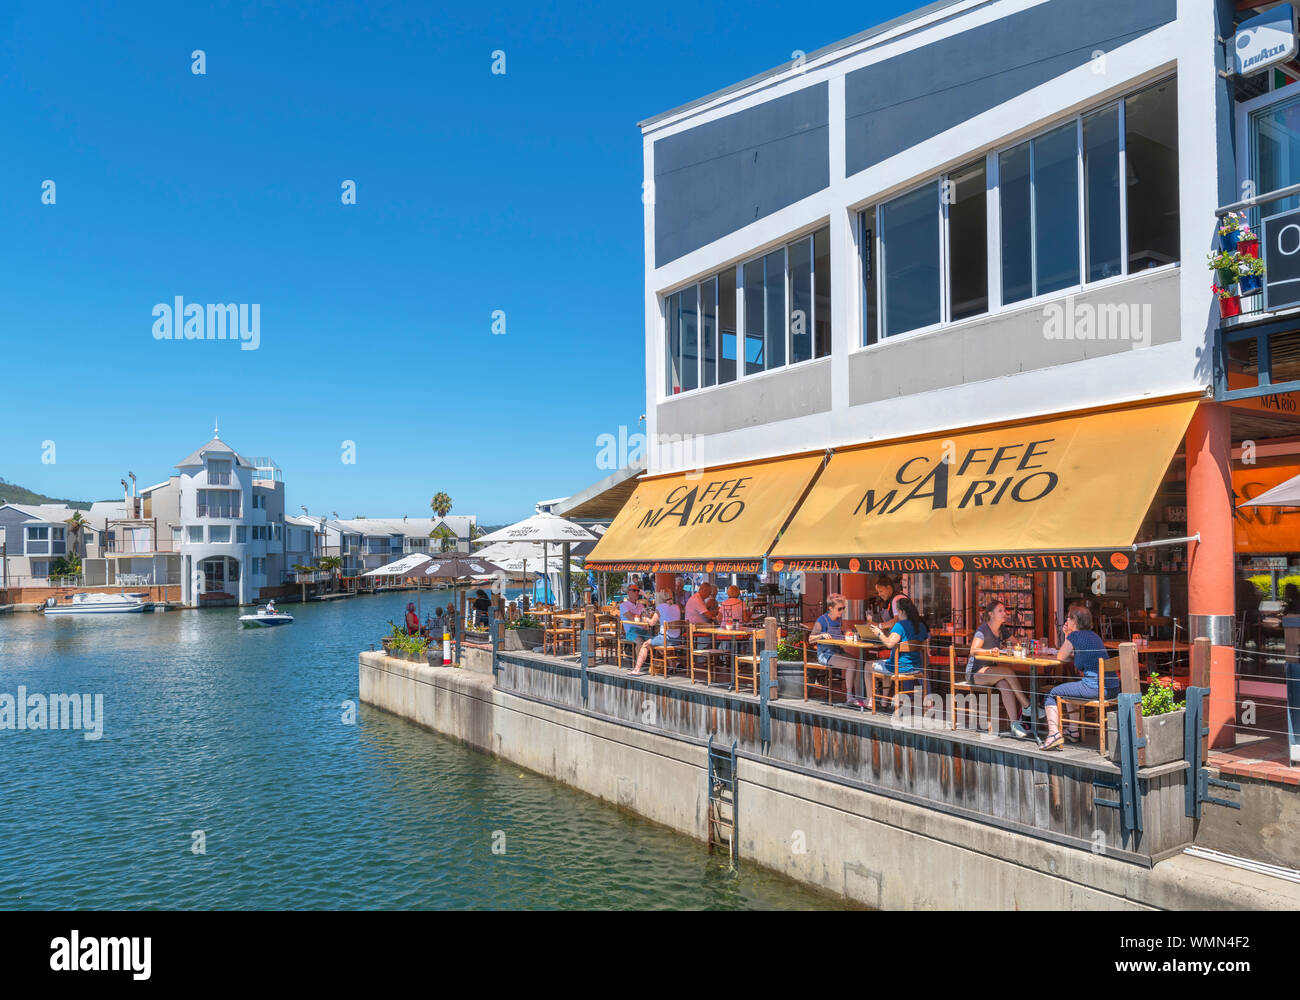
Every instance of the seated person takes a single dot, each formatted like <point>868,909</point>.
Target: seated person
<point>991,635</point>
<point>629,611</point>
<point>733,608</point>
<point>665,611</point>
<point>831,624</point>
<point>697,612</point>
<point>1291,599</point>
<point>482,605</point>
<point>910,628</point>
<point>412,619</point>
<point>1085,648</point>
<point>437,626</point>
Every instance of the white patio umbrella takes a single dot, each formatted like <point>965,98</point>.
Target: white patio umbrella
<point>517,558</point>
<point>1285,494</point>
<point>412,565</point>
<point>545,528</point>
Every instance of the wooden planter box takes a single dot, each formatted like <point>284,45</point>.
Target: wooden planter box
<point>1164,736</point>
<point>523,639</point>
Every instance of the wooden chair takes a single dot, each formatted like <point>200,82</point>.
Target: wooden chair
<point>813,667</point>
<point>624,644</point>
<point>957,684</point>
<point>559,634</point>
<point>746,667</point>
<point>705,657</point>
<point>1099,704</point>
<point>606,640</point>
<point>672,653</point>
<point>897,677</point>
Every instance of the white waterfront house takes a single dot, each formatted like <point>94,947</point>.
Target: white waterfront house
<point>232,525</point>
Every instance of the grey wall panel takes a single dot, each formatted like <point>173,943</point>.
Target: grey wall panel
<point>716,178</point>
<point>893,105</point>
<point>796,392</point>
<point>1015,342</point>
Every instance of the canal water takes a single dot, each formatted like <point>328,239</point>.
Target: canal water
<point>237,770</point>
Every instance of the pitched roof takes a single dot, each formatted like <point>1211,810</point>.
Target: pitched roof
<point>215,446</point>
<point>46,511</point>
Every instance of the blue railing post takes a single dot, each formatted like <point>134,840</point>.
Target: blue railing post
<point>585,658</point>
<point>492,636</point>
<point>767,666</point>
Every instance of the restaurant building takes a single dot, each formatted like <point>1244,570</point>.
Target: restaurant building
<point>932,302</point>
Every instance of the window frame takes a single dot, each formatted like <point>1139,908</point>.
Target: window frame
<point>993,217</point>
<point>737,268</point>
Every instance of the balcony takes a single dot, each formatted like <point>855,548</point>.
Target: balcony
<point>1257,350</point>
<point>221,510</point>
<point>139,546</point>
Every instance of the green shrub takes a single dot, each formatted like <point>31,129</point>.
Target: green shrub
<point>1159,697</point>
<point>1263,583</point>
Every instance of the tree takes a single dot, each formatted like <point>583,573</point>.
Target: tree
<point>75,523</point>
<point>332,565</point>
<point>441,504</point>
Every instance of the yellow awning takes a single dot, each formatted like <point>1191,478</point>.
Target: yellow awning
<point>1050,494</point>
<point>722,520</point>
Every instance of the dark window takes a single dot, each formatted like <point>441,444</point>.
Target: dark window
<point>909,230</point>
<point>822,293</point>
<point>1151,143</point>
<point>968,241</point>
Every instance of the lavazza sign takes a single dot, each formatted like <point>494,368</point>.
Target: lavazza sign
<point>1265,41</point>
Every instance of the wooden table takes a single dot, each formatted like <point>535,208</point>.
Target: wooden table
<point>1023,664</point>
<point>857,645</point>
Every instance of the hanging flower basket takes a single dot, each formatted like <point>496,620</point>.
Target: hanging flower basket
<point>1229,303</point>
<point>1249,284</point>
<point>1248,247</point>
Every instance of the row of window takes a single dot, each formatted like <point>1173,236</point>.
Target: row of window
<point>1094,198</point>
<point>781,301</point>
<point>220,534</point>
<point>1090,199</point>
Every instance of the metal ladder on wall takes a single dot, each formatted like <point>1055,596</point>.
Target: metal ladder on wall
<point>722,800</point>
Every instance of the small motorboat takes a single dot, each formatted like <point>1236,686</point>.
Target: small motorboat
<point>98,604</point>
<point>266,617</point>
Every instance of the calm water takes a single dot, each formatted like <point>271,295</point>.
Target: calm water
<point>240,734</point>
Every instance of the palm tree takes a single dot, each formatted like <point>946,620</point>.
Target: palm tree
<point>441,504</point>
<point>75,523</point>
<point>331,564</point>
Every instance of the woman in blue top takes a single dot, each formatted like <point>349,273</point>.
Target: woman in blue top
<point>1085,648</point>
<point>831,625</point>
<point>909,628</point>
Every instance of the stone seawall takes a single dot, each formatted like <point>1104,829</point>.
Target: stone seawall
<point>870,849</point>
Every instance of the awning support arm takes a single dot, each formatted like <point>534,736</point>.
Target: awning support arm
<point>1168,541</point>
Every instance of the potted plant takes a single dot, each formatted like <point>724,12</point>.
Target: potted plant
<point>524,633</point>
<point>1250,273</point>
<point>1229,302</point>
<point>1162,724</point>
<point>1233,230</point>
<point>1224,265</point>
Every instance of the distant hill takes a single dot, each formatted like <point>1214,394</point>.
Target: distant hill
<point>13,493</point>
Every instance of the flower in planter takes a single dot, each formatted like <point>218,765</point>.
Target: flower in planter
<point>1234,222</point>
<point>1222,260</point>
<point>1249,267</point>
<point>1223,293</point>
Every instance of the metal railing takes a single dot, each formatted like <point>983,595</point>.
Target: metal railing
<point>127,546</point>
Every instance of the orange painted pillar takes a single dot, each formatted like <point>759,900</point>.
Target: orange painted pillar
<point>1211,586</point>
<point>664,581</point>
<point>855,586</point>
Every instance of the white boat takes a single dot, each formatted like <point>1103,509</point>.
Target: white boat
<point>99,604</point>
<point>262,618</point>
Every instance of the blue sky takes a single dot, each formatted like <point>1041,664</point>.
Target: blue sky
<point>475,192</point>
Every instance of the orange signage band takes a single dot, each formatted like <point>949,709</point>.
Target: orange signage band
<point>1115,561</point>
<point>681,566</point>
